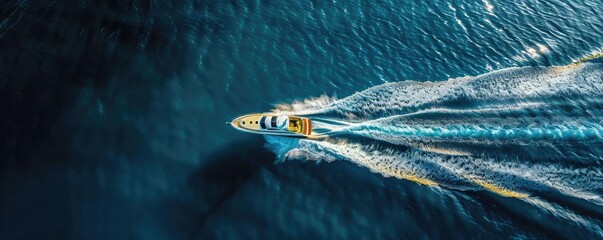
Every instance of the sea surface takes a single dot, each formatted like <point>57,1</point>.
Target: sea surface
<point>433,119</point>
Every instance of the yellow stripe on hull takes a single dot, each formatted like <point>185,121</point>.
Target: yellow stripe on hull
<point>497,189</point>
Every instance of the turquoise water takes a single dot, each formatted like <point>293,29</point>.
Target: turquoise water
<point>447,119</point>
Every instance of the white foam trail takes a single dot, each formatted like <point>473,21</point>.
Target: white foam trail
<point>510,87</point>
<point>516,132</point>
<point>527,133</point>
<point>456,172</point>
<point>305,106</point>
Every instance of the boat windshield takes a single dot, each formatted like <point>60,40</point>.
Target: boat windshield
<point>282,122</point>
<point>263,122</point>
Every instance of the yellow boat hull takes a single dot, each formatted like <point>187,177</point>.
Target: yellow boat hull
<point>266,124</point>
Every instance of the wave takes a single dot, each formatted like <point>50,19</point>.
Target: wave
<point>508,87</point>
<point>518,132</point>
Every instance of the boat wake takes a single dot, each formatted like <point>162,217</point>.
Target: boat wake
<point>517,132</point>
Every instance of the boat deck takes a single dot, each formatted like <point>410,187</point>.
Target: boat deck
<point>297,126</point>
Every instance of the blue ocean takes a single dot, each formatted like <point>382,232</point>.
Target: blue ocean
<point>436,119</point>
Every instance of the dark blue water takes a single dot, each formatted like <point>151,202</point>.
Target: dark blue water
<point>457,119</point>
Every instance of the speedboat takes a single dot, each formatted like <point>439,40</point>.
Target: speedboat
<point>273,124</point>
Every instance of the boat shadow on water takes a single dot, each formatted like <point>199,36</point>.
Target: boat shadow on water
<point>229,169</point>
